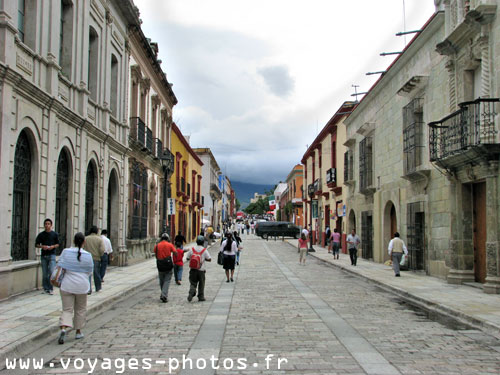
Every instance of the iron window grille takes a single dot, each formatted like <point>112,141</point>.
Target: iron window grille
<point>367,234</point>
<point>412,135</point>
<point>415,229</point>
<point>365,163</point>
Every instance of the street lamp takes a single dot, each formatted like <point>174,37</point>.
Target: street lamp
<point>310,192</point>
<point>167,163</point>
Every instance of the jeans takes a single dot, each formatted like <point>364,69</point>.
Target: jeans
<point>178,272</point>
<point>353,253</point>
<point>165,278</point>
<point>336,248</point>
<point>104,265</point>
<point>197,278</point>
<point>97,276</point>
<point>48,265</point>
<point>238,256</point>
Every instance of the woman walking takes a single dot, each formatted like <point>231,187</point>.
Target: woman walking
<point>78,266</point>
<point>336,243</point>
<point>302,249</point>
<point>229,249</point>
<point>239,247</point>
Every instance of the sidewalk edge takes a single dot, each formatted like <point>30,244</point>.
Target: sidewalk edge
<point>423,303</point>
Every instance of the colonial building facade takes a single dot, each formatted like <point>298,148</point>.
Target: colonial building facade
<point>64,126</point>
<point>291,199</point>
<point>210,192</point>
<point>150,163</point>
<point>324,176</point>
<point>424,150</point>
<point>186,187</point>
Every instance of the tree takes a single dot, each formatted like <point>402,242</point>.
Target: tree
<point>257,208</point>
<point>238,204</point>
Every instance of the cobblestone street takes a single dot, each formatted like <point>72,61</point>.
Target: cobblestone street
<point>315,318</point>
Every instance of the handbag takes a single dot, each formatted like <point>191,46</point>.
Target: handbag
<point>57,276</point>
<point>220,258</point>
<point>403,260</point>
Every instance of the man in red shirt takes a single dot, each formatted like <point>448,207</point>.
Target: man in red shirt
<point>163,251</point>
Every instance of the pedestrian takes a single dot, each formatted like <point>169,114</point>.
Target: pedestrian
<point>248,228</point>
<point>197,257</point>
<point>229,249</point>
<point>238,245</point>
<point>335,243</point>
<point>108,253</point>
<point>252,227</point>
<point>179,240</point>
<point>95,246</point>
<point>179,264</point>
<point>78,266</point>
<point>302,247</point>
<point>328,234</point>
<point>396,248</point>
<point>48,241</point>
<point>163,252</point>
<point>353,242</point>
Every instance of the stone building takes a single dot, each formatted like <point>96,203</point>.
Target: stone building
<point>424,148</point>
<point>150,162</point>
<point>324,176</point>
<point>64,126</point>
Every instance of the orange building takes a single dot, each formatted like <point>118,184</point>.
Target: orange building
<point>291,200</point>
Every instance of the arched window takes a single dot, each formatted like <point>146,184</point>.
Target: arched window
<point>21,199</point>
<point>66,38</point>
<point>90,188</point>
<point>93,62</point>
<point>114,85</point>
<point>62,196</point>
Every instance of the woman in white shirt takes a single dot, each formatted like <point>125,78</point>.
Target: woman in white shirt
<point>229,248</point>
<point>78,266</point>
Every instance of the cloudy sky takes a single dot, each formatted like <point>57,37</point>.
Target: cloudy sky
<point>257,80</point>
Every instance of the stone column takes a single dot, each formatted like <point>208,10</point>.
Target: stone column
<point>461,253</point>
<point>492,285</point>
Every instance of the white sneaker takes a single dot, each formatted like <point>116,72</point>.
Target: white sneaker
<point>79,336</point>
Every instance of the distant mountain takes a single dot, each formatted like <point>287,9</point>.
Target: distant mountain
<point>245,191</point>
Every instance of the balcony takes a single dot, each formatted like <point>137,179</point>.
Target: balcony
<point>318,188</point>
<point>158,148</point>
<point>149,140</point>
<point>215,193</point>
<point>138,130</point>
<point>468,135</point>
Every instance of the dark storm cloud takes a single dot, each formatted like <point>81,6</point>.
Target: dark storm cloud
<point>278,80</point>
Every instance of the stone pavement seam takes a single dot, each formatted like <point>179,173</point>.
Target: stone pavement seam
<point>418,301</point>
<point>363,352</point>
<point>43,335</point>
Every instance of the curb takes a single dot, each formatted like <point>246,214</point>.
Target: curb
<point>45,334</point>
<point>423,303</point>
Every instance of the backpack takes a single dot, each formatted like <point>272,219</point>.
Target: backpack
<point>195,260</point>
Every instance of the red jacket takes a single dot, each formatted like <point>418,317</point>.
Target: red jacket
<point>179,257</point>
<point>164,249</point>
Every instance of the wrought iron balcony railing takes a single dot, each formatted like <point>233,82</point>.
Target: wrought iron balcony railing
<point>149,140</point>
<point>469,133</point>
<point>158,148</point>
<point>138,130</point>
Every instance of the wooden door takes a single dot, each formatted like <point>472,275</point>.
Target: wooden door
<point>479,227</point>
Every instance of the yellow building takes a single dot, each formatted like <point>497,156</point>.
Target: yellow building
<point>186,187</point>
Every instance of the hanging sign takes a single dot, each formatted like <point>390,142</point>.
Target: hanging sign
<point>171,206</point>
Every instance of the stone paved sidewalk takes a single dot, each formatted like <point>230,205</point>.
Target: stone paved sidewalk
<point>467,303</point>
<point>34,316</point>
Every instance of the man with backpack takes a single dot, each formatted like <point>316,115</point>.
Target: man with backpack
<point>197,257</point>
<point>163,251</point>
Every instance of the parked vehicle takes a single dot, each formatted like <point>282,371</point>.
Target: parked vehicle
<point>267,229</point>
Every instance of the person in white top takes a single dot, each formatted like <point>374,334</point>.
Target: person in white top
<point>197,275</point>
<point>108,253</point>
<point>229,247</point>
<point>396,248</point>
<point>77,265</point>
